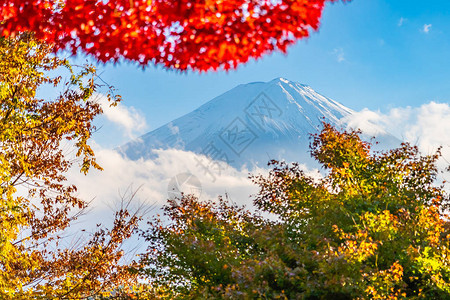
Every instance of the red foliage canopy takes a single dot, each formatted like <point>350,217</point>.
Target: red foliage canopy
<point>183,34</point>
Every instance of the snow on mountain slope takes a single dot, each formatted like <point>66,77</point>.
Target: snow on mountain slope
<point>250,124</point>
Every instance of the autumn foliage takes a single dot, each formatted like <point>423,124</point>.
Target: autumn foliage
<point>374,227</point>
<point>185,34</point>
<point>37,202</point>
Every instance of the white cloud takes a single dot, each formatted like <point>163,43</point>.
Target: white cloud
<point>368,121</point>
<point>426,28</point>
<point>401,21</point>
<point>431,128</point>
<point>127,118</point>
<point>152,177</point>
<point>427,126</point>
<point>340,55</point>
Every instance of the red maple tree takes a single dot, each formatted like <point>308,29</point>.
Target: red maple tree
<point>184,34</point>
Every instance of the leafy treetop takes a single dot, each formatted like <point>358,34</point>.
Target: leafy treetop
<point>37,202</point>
<point>186,34</point>
<point>374,227</point>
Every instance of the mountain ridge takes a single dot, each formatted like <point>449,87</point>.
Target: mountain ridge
<point>249,124</point>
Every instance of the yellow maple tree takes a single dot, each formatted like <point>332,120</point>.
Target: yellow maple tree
<point>37,202</point>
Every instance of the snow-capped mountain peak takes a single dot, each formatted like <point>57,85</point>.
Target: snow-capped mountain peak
<point>250,123</point>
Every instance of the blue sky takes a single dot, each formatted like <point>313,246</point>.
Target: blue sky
<point>388,60</point>
<point>374,54</point>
